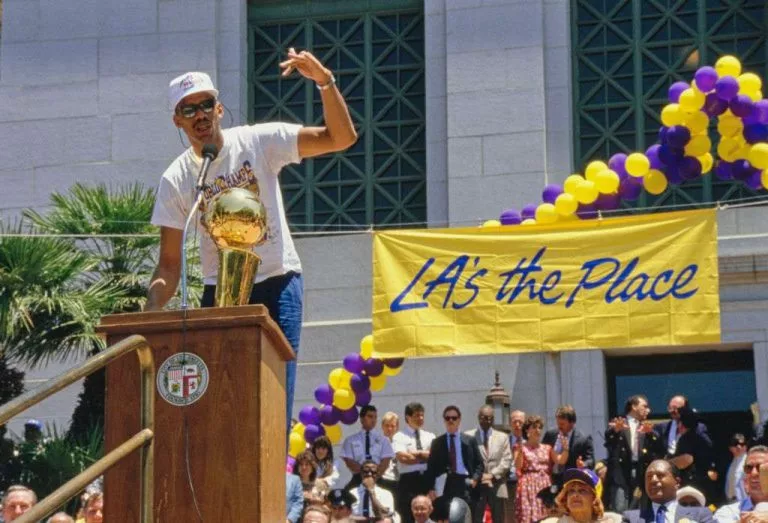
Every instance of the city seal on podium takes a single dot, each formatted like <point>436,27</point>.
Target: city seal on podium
<point>182,379</point>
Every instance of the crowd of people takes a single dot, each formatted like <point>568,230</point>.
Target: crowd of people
<point>653,473</point>
<point>18,499</point>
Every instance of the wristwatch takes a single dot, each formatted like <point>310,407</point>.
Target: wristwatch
<point>331,83</point>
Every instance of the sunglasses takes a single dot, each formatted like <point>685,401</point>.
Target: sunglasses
<point>749,467</point>
<point>688,503</point>
<point>190,110</point>
<point>450,418</point>
<point>368,472</point>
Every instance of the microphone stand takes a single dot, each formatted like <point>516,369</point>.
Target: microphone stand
<point>190,216</point>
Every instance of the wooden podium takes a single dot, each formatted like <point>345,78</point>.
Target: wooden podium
<point>229,445</point>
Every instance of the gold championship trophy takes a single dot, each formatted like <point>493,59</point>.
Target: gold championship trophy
<point>237,222</point>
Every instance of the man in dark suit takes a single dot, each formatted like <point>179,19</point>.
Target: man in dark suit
<point>455,462</point>
<point>661,482</point>
<point>694,455</point>
<point>669,431</point>
<point>631,445</point>
<point>581,453</point>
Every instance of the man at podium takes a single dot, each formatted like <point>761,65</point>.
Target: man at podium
<point>247,157</point>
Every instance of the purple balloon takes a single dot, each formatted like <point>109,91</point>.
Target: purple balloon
<point>663,131</point>
<point>353,362</point>
<point>727,88</point>
<point>670,155</point>
<point>760,109</point>
<point>360,382</point>
<point>616,164</point>
<point>608,202</point>
<point>690,168</point>
<point>714,105</point>
<point>329,415</point>
<point>741,106</point>
<point>755,181</point>
<point>309,415</point>
<point>551,192</point>
<point>630,188</point>
<point>675,90</point>
<point>291,461</point>
<point>312,432</point>
<point>363,399</point>
<point>348,417</point>
<point>653,156</point>
<point>672,172</point>
<point>587,211</point>
<point>394,363</point>
<point>724,170</point>
<point>374,367</point>
<point>742,170</point>
<point>706,78</point>
<point>510,217</point>
<point>678,136</point>
<point>755,132</point>
<point>529,212</point>
<point>324,394</point>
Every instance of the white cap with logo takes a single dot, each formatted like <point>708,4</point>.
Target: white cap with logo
<point>189,83</point>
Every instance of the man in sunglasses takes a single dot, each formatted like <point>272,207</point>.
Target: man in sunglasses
<point>734,478</point>
<point>455,465</point>
<point>747,510</point>
<point>372,503</point>
<point>249,156</point>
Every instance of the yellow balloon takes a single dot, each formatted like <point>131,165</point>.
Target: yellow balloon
<point>729,127</point>
<point>566,204</point>
<point>764,178</point>
<point>296,444</point>
<point>728,66</point>
<point>333,432</point>
<point>706,161</point>
<point>528,221</point>
<point>573,181</point>
<point>749,82</point>
<point>691,100</point>
<point>593,169</point>
<point>492,223</point>
<point>727,149</point>
<point>637,164</point>
<point>388,371</point>
<point>343,399</point>
<point>698,145</point>
<point>339,379</point>
<point>672,114</point>
<point>366,346</point>
<point>755,96</point>
<point>586,192</point>
<point>545,213</point>
<point>379,382</point>
<point>607,182</point>
<point>758,156</point>
<point>697,122</point>
<point>743,152</point>
<point>655,182</point>
<point>299,428</point>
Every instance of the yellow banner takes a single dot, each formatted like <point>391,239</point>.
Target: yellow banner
<point>619,282</point>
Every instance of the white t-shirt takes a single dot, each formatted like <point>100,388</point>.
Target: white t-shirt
<point>251,157</point>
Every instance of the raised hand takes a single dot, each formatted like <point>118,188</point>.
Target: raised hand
<point>307,65</point>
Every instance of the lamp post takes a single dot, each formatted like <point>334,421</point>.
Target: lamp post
<point>499,399</point>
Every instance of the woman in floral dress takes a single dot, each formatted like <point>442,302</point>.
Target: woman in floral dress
<point>534,461</point>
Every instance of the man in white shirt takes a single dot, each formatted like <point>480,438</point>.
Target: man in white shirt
<point>250,157</point>
<point>497,460</point>
<point>734,479</point>
<point>661,483</point>
<point>411,446</point>
<point>745,510</point>
<point>421,509</point>
<point>366,445</point>
<point>372,501</point>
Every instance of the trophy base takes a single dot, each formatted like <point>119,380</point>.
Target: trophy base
<point>237,268</point>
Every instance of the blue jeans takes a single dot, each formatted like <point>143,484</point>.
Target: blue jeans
<point>283,297</point>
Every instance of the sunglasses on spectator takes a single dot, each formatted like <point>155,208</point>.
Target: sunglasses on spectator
<point>190,110</point>
<point>749,467</point>
<point>450,418</point>
<point>688,503</point>
<point>368,472</point>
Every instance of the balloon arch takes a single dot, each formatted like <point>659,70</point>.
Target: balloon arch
<point>683,153</point>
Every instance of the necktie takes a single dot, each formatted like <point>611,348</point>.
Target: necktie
<point>367,502</point>
<point>661,514</point>
<point>452,451</point>
<point>367,444</point>
<point>418,440</point>
<point>485,440</point>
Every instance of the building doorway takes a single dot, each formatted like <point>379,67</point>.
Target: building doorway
<point>720,385</point>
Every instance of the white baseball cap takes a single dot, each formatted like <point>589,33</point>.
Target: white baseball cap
<point>189,83</point>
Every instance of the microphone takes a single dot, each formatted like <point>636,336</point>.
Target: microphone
<point>210,152</point>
